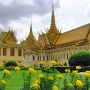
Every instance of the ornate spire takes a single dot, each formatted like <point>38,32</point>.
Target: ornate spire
<point>31,41</point>
<point>31,32</point>
<point>31,28</point>
<point>53,27</point>
<point>53,16</point>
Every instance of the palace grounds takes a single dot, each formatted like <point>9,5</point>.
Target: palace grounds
<point>64,81</point>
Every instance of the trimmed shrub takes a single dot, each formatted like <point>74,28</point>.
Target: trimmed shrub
<point>10,63</point>
<point>80,59</point>
<point>62,69</point>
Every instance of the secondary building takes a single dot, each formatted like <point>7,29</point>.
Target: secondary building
<point>9,49</point>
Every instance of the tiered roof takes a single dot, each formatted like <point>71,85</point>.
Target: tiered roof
<point>53,38</point>
<point>31,41</point>
<point>8,37</point>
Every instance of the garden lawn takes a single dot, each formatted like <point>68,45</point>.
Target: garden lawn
<point>16,79</point>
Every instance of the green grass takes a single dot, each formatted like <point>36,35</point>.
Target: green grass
<point>16,81</point>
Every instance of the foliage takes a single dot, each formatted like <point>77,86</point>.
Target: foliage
<point>47,81</point>
<point>80,59</point>
<point>37,80</point>
<point>10,63</point>
<point>62,69</point>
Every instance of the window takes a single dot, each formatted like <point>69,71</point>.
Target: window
<point>33,58</point>
<point>4,51</point>
<point>67,55</point>
<point>51,56</point>
<point>43,57</point>
<point>12,52</point>
<point>61,56</point>
<point>19,52</point>
<point>47,58</point>
<point>38,57</point>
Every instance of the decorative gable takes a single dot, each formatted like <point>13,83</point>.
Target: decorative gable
<point>31,41</point>
<point>10,38</point>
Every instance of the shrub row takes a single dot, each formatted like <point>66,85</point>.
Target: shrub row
<point>80,58</point>
<point>50,69</point>
<point>63,68</point>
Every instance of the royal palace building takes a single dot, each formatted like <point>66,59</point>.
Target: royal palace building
<point>9,49</point>
<point>54,45</point>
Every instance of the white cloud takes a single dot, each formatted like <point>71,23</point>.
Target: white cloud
<point>5,2</point>
<point>26,2</point>
<point>70,14</point>
<point>87,12</point>
<point>21,27</point>
<point>1,26</point>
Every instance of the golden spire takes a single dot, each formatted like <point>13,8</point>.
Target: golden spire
<point>31,41</point>
<point>31,32</point>
<point>53,27</point>
<point>53,16</point>
<point>31,28</point>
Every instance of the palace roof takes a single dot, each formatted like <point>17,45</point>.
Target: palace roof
<point>76,34</point>
<point>8,37</point>
<point>53,38</point>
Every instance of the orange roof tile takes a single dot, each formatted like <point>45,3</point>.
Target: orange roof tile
<point>74,35</point>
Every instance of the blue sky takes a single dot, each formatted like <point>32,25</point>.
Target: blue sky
<point>17,14</point>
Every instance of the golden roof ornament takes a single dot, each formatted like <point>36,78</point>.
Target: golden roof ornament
<point>52,33</point>
<point>31,41</point>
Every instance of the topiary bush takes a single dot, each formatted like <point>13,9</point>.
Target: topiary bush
<point>81,58</point>
<point>11,63</point>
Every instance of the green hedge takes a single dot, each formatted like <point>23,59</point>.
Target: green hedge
<point>81,58</point>
<point>62,69</point>
<point>11,63</point>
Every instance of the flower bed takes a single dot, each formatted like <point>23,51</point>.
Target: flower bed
<point>31,79</point>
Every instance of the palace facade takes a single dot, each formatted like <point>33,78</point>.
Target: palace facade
<point>54,45</point>
<point>9,49</point>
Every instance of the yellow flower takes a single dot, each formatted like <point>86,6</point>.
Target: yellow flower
<point>17,69</point>
<point>87,74</point>
<point>79,83</point>
<point>75,72</point>
<point>87,71</point>
<point>37,81</point>
<point>41,75</point>
<point>0,65</point>
<point>67,70</point>
<point>3,82</point>
<point>35,86</point>
<point>78,67</point>
<point>50,78</point>
<point>70,85</point>
<point>42,62</point>
<point>31,70</point>
<point>53,62</point>
<point>6,71</point>
<point>60,76</point>
<point>55,88</point>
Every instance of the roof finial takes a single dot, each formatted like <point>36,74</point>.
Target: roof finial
<point>53,16</point>
<point>31,27</point>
